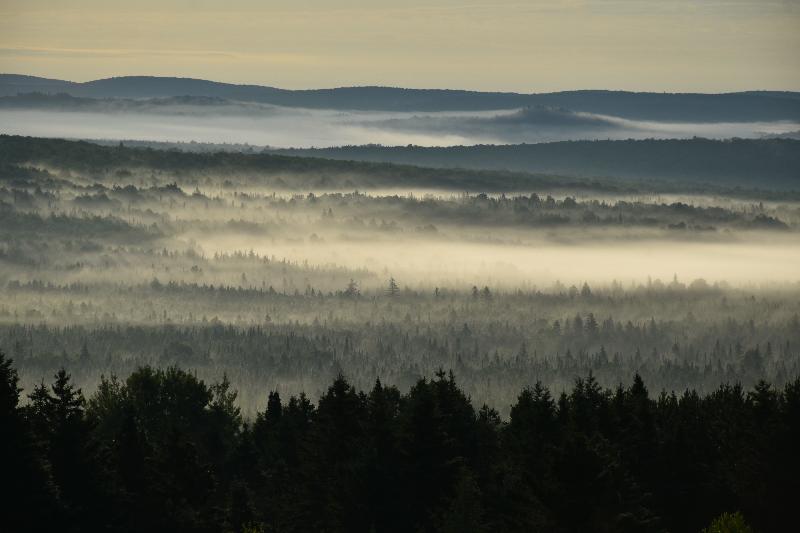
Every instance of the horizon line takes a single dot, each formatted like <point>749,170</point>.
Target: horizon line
<point>398,87</point>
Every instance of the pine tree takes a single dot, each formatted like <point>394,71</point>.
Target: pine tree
<point>393,289</point>
<point>85,357</point>
<point>352,290</point>
<point>586,292</point>
<point>30,504</point>
<point>64,436</point>
<point>591,324</point>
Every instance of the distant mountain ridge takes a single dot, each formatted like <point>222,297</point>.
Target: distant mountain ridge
<point>168,104</point>
<point>694,107</point>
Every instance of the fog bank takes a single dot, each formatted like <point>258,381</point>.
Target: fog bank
<point>288,127</point>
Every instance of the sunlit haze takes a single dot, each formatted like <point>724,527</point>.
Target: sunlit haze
<point>676,45</point>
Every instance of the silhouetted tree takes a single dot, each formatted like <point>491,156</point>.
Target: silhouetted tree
<point>392,290</point>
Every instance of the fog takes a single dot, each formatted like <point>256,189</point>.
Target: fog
<point>422,263</point>
<point>112,257</point>
<point>291,127</point>
<point>544,124</point>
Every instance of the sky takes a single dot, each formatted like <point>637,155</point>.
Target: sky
<point>533,46</point>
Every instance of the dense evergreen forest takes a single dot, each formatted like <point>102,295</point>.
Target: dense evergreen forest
<point>495,344</point>
<point>22,156</point>
<point>113,258</point>
<point>361,304</point>
<point>255,342</point>
<point>763,163</point>
<point>161,450</point>
<point>750,167</point>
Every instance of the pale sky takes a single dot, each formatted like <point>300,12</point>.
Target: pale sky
<point>534,46</point>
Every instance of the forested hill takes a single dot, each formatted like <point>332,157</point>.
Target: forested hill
<point>752,163</point>
<point>657,165</point>
<point>692,107</point>
<point>281,172</point>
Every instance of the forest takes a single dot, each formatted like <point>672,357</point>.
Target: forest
<point>161,450</point>
<point>115,257</point>
<point>755,163</point>
<point>229,340</point>
<point>429,266</point>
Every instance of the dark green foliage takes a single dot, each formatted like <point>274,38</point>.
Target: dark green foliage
<point>734,162</point>
<point>29,491</point>
<point>164,451</point>
<point>64,438</point>
<point>670,165</point>
<point>729,523</point>
<point>17,153</point>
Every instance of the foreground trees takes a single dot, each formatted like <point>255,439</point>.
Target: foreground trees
<point>162,451</point>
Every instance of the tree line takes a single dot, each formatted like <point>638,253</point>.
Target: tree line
<point>492,356</point>
<point>162,450</point>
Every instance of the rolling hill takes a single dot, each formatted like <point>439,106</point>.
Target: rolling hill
<point>741,106</point>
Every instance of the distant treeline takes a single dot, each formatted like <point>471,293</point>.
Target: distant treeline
<point>164,451</point>
<point>494,348</point>
<point>17,153</point>
<point>686,107</point>
<point>749,163</point>
<point>697,165</point>
<point>108,213</point>
<point>65,102</point>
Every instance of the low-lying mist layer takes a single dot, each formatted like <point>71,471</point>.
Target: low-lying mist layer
<point>216,120</point>
<point>112,258</point>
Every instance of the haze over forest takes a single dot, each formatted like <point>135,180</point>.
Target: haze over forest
<point>505,221</point>
<point>568,310</point>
